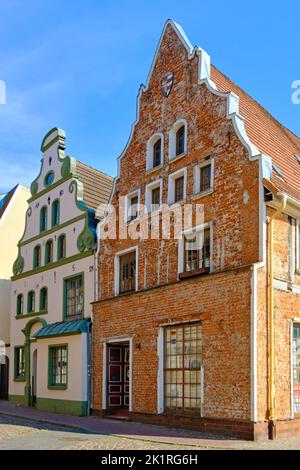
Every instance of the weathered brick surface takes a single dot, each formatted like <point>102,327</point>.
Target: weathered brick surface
<point>221,301</point>
<point>286,307</point>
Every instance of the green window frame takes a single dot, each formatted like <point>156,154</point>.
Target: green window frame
<point>19,363</point>
<point>49,252</point>
<point>31,302</point>
<point>44,299</point>
<point>37,257</point>
<point>74,297</point>
<point>58,367</point>
<point>20,304</point>
<point>43,219</point>
<point>49,178</point>
<point>61,247</point>
<point>55,213</point>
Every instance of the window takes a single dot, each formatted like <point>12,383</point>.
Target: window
<point>296,368</point>
<point>58,366</point>
<point>44,299</point>
<point>127,271</point>
<point>61,247</point>
<point>203,176</point>
<point>55,213</point>
<point>177,186</point>
<point>154,152</point>
<point>133,202</point>
<point>157,153</point>
<point>153,195</point>
<point>183,360</point>
<point>20,304</point>
<point>74,297</point>
<point>49,252</point>
<point>43,219</point>
<point>49,178</point>
<point>179,189</point>
<point>31,302</point>
<point>197,251</point>
<point>180,141</point>
<point>37,257</point>
<point>19,363</point>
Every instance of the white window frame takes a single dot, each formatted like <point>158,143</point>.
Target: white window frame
<point>129,196</point>
<point>150,148</point>
<point>117,267</point>
<point>198,228</point>
<point>197,177</point>
<point>148,198</point>
<point>171,185</point>
<point>172,139</point>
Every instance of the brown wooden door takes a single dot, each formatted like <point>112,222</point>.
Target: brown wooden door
<point>118,377</point>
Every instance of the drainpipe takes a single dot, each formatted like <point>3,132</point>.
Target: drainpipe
<point>271,346</point>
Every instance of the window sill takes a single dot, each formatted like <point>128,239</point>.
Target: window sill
<point>155,168</point>
<point>19,379</point>
<point>173,203</point>
<point>57,387</point>
<point>177,157</point>
<point>203,193</point>
<point>31,314</point>
<point>198,272</point>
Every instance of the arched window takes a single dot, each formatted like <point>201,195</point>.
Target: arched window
<point>180,144</point>
<point>37,257</point>
<point>20,304</point>
<point>154,151</point>
<point>178,139</point>
<point>61,247</point>
<point>49,252</point>
<point>43,219</point>
<point>44,299</point>
<point>157,153</point>
<point>55,213</point>
<point>31,302</point>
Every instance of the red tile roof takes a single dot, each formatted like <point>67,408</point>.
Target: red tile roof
<point>268,135</point>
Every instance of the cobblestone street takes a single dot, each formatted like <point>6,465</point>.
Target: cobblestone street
<point>21,434</point>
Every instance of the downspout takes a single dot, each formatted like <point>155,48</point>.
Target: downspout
<point>271,336</point>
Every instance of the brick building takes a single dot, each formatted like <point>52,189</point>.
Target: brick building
<point>200,329</point>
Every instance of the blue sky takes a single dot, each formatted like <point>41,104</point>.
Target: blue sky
<point>78,65</point>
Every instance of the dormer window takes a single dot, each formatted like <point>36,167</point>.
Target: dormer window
<point>154,151</point>
<point>178,139</point>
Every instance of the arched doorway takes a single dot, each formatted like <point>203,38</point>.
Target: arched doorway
<point>4,369</point>
<point>28,360</point>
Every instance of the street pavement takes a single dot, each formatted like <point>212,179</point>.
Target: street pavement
<point>31,429</point>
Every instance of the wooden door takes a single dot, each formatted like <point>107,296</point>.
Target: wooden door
<point>118,377</point>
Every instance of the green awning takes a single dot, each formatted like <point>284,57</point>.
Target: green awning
<point>65,328</point>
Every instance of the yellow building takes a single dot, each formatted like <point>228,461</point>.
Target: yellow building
<point>13,206</point>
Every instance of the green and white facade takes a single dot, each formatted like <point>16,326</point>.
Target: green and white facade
<point>53,284</point>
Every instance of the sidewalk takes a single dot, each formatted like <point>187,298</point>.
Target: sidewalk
<point>131,430</point>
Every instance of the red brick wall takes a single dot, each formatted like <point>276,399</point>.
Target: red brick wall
<point>222,302</point>
<point>210,133</point>
<point>286,307</point>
